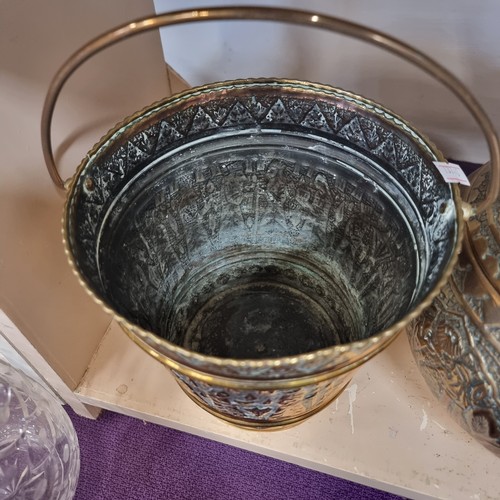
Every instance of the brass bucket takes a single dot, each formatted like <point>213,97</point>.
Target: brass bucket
<point>262,238</point>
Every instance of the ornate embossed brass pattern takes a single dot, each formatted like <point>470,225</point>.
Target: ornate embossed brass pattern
<point>483,237</point>
<point>456,341</point>
<point>252,408</point>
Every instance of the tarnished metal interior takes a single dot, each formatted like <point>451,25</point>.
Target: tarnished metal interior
<point>262,221</point>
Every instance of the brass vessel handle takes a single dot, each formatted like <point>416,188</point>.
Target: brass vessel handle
<point>290,16</point>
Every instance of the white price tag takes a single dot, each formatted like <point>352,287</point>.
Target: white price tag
<point>452,172</point>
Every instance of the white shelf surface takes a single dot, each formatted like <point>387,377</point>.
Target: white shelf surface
<point>386,430</point>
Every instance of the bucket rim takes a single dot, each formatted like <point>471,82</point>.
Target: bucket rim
<point>197,365</point>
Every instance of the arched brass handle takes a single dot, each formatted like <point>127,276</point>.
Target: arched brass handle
<point>278,15</point>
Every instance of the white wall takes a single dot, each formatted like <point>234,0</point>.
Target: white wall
<point>462,35</point>
<point>44,311</point>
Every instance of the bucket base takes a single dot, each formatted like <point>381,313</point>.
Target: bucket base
<point>262,319</point>
<point>258,304</point>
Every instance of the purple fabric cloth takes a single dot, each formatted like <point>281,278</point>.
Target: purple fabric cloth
<point>125,458</point>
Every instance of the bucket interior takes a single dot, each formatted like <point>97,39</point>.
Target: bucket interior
<point>261,239</point>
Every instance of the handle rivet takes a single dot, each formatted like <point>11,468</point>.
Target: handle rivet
<point>89,184</point>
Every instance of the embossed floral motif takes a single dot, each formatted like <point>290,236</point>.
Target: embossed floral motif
<point>271,407</point>
<point>330,114</point>
<point>459,358</point>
